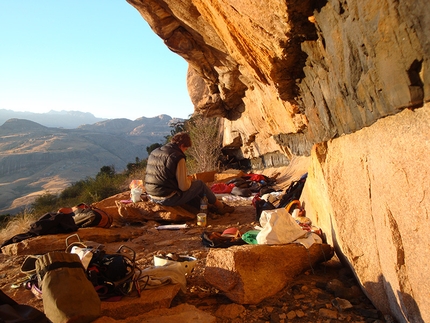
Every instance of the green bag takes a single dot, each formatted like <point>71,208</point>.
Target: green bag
<point>250,237</point>
<point>67,294</point>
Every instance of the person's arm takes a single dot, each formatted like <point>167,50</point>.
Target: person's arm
<point>184,182</point>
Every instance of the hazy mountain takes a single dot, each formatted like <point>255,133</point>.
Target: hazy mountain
<point>35,159</point>
<point>59,119</point>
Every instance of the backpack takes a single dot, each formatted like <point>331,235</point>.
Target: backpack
<point>90,216</point>
<point>293,191</point>
<point>67,294</point>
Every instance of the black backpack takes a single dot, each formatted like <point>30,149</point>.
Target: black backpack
<point>293,192</point>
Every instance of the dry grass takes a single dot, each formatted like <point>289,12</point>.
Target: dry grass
<point>19,223</point>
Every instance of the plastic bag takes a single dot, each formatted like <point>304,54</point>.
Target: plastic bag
<point>250,237</point>
<point>279,227</point>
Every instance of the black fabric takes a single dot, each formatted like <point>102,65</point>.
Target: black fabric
<point>260,206</point>
<point>112,274</point>
<point>293,192</point>
<point>12,312</point>
<point>53,223</point>
<point>49,223</point>
<point>160,174</point>
<point>240,191</point>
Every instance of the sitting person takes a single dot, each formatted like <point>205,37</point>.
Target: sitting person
<point>167,182</point>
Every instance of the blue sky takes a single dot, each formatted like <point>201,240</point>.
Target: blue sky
<point>87,55</point>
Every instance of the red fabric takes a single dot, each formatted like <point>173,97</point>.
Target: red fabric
<point>221,188</point>
<point>256,177</point>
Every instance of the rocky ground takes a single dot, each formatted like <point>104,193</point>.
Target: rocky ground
<point>328,292</point>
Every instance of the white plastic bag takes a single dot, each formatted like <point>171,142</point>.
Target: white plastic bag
<point>278,227</point>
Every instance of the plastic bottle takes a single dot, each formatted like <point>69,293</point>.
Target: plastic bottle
<point>204,204</point>
<point>135,194</point>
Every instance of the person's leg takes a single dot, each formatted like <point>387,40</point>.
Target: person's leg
<point>196,190</point>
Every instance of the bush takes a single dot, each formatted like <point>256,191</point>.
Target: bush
<point>45,203</point>
<point>103,186</point>
<point>90,190</point>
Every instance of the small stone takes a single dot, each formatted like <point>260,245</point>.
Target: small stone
<point>305,288</point>
<point>230,311</point>
<point>165,243</point>
<point>324,312</point>
<point>341,304</point>
<point>300,313</point>
<point>291,315</point>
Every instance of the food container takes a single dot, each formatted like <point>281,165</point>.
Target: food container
<point>202,219</point>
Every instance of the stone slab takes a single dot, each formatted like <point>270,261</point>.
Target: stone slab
<point>149,300</point>
<point>57,242</point>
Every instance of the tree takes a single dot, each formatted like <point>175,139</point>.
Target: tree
<point>149,149</point>
<point>177,127</point>
<point>107,170</point>
<point>205,152</point>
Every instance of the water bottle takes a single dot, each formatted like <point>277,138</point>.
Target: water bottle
<point>204,204</point>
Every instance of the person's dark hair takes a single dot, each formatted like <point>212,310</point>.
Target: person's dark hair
<point>181,138</point>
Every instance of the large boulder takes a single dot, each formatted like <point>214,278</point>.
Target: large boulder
<point>368,192</point>
<point>250,273</point>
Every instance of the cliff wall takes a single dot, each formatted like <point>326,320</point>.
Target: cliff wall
<point>344,82</point>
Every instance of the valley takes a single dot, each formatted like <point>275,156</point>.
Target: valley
<point>35,159</point>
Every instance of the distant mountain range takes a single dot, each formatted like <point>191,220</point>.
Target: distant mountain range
<point>59,119</point>
<point>35,158</point>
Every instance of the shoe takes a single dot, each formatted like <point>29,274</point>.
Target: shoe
<point>225,209</point>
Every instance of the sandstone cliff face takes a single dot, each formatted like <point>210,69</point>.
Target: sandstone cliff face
<point>345,82</point>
